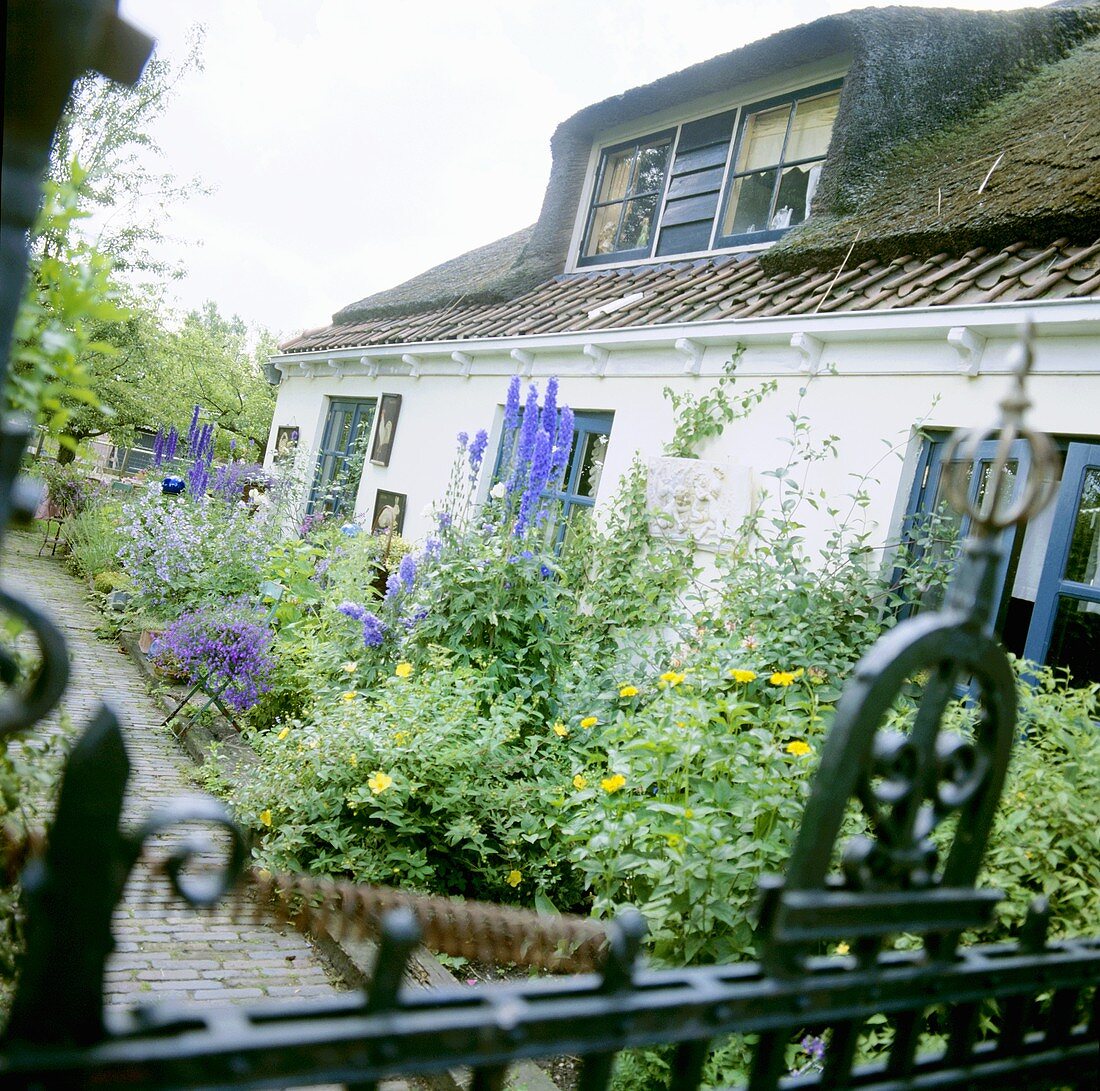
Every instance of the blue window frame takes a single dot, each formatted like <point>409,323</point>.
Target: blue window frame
<point>584,470</point>
<point>929,496</point>
<point>1049,582</point>
<point>347,429</point>
<point>1065,624</point>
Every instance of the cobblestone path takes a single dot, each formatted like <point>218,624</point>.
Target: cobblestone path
<point>166,951</point>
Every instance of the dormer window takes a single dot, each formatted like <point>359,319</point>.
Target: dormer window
<point>630,184</point>
<point>780,152</point>
<point>738,178</point>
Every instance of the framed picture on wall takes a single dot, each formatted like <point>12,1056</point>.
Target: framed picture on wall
<point>386,429</point>
<point>389,512</point>
<point>286,437</point>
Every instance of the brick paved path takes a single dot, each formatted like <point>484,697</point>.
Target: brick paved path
<point>165,951</point>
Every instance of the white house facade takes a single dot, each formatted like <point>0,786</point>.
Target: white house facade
<point>857,210</point>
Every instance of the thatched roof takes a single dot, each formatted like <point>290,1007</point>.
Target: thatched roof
<point>915,78</point>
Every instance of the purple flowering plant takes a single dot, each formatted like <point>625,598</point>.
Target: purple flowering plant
<point>227,644</point>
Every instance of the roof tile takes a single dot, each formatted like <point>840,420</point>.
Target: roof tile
<point>730,288</point>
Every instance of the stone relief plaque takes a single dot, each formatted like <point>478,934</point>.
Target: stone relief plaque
<point>695,498</point>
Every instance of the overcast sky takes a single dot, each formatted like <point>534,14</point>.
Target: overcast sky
<point>351,144</point>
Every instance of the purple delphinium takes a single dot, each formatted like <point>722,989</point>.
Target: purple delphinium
<point>433,547</point>
<point>406,571</point>
<point>563,442</point>
<point>311,522</point>
<point>352,610</point>
<point>549,419</point>
<point>536,482</point>
<point>443,519</point>
<point>171,442</point>
<point>525,447</point>
<point>225,645</point>
<point>374,630</point>
<point>393,586</point>
<point>511,407</point>
<point>193,431</point>
<point>463,440</point>
<point>477,453</point>
<point>158,448</point>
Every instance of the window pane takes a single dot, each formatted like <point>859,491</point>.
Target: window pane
<point>637,223</point>
<point>651,168</point>
<point>1083,564</point>
<point>616,175</point>
<point>796,191</point>
<point>594,450</point>
<point>750,203</point>
<point>812,127</point>
<point>762,144</point>
<point>1075,640</point>
<point>601,236</point>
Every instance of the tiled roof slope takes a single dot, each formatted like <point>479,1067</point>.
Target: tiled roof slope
<point>723,288</point>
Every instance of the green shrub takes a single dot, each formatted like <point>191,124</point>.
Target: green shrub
<point>94,539</point>
<point>414,787</point>
<point>106,582</point>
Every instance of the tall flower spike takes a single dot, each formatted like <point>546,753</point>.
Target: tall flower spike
<point>562,444</point>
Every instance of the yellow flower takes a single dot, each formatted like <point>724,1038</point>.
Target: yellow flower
<point>514,878</point>
<point>378,782</point>
<point>283,734</point>
<point>612,784</point>
<point>350,695</point>
<point>350,667</point>
<point>265,817</point>
<point>798,748</point>
<point>739,675</point>
<point>782,678</point>
<point>674,840</point>
<point>560,730</point>
<point>353,760</point>
<point>670,678</point>
<point>401,738</point>
<point>403,670</point>
<point>580,782</point>
<point>589,721</point>
<point>628,691</point>
<point>689,813</point>
<point>842,948</point>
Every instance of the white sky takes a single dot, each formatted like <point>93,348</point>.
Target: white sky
<point>351,144</point>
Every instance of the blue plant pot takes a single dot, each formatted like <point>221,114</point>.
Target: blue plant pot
<point>172,486</point>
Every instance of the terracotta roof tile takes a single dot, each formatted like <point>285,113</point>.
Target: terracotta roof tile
<point>728,288</point>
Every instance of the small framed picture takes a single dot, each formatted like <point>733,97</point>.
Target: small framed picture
<point>386,429</point>
<point>286,438</point>
<point>389,512</point>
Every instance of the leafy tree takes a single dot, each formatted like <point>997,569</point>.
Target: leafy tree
<point>107,128</point>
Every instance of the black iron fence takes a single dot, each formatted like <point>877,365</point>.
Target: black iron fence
<point>1022,1014</point>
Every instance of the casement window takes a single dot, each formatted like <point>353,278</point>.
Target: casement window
<point>340,456</point>
<point>624,208</point>
<point>584,470</point>
<point>737,178</point>
<point>1048,607</point>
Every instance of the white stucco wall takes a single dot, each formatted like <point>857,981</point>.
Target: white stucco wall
<point>880,376</point>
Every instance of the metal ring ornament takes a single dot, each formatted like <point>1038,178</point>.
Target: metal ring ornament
<point>1037,491</point>
<point>203,892</point>
<point>962,451</point>
<point>21,708</point>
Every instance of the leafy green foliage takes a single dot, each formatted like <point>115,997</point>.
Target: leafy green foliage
<point>416,786</point>
<point>703,417</point>
<point>70,294</point>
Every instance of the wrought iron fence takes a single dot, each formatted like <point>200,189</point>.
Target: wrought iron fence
<point>907,785</point>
